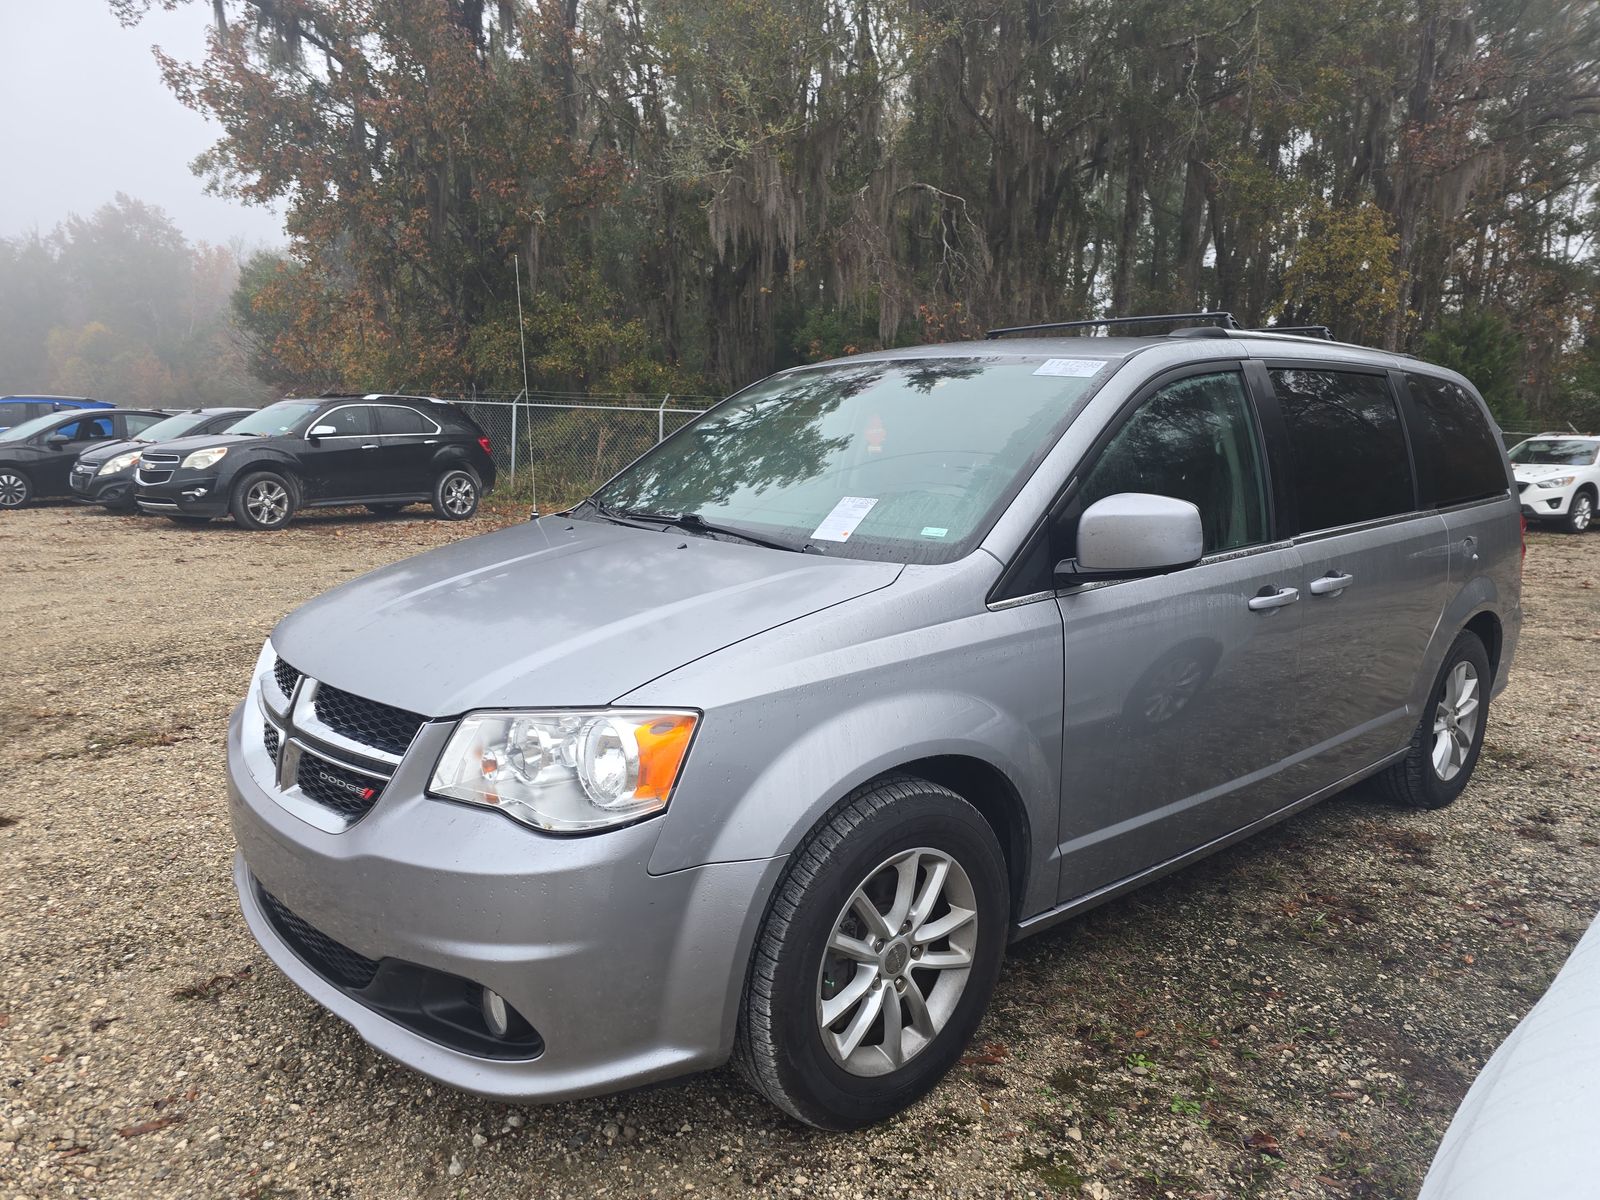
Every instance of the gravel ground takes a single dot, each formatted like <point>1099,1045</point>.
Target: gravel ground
<point>1297,1016</point>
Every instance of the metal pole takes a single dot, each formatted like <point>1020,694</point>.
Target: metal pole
<point>661,419</point>
<point>514,443</point>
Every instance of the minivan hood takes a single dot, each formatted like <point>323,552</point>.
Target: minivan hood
<point>557,612</point>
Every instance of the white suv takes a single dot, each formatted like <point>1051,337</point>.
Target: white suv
<point>1558,478</point>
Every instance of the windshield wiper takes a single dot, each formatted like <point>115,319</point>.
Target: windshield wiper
<point>695,523</point>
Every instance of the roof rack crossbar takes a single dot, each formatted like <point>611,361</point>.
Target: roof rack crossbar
<point>1317,331</point>
<point>1224,319</point>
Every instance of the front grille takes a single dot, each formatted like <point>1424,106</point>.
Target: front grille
<point>270,738</point>
<point>153,477</point>
<point>369,722</point>
<point>321,953</point>
<point>286,676</point>
<point>347,792</point>
<point>80,483</point>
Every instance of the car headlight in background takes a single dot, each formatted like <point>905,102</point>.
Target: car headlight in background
<point>566,771</point>
<point>120,463</point>
<point>1555,481</point>
<point>201,459</point>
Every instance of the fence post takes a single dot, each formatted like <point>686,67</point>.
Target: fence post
<point>513,475</point>
<point>661,419</point>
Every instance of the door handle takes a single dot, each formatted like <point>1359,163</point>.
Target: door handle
<point>1275,599</point>
<point>1331,584</point>
<point>370,446</point>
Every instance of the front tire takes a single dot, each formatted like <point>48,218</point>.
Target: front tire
<point>1580,513</point>
<point>1445,747</point>
<point>877,956</point>
<point>262,500</point>
<point>455,495</point>
<point>16,489</point>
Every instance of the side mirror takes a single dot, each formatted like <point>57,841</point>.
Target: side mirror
<point>322,431</point>
<point>1134,533</point>
<point>57,440</point>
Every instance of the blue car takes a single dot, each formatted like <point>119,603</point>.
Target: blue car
<point>14,410</point>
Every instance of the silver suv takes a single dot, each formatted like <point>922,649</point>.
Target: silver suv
<point>769,748</point>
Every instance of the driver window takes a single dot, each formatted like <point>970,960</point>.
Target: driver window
<point>353,420</point>
<point>1193,440</point>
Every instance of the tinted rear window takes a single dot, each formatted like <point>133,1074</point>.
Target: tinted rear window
<point>1457,450</point>
<point>1347,450</point>
<point>394,419</point>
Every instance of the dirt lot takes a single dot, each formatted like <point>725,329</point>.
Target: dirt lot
<point>1295,1017</point>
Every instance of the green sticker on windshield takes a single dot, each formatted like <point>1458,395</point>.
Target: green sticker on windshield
<point>933,531</point>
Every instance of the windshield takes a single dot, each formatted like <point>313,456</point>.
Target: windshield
<point>277,418</point>
<point>1563,452</point>
<point>172,427</point>
<point>903,461</point>
<point>26,429</point>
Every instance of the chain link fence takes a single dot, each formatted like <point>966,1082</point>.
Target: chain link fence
<point>553,449</point>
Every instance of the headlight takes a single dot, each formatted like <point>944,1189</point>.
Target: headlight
<point>201,459</point>
<point>120,463</point>
<point>566,771</point>
<point>1556,481</point>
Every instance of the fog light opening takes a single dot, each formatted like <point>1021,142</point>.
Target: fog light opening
<point>496,1013</point>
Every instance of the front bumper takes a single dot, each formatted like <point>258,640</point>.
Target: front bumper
<point>627,977</point>
<point>113,491</point>
<point>189,493</point>
<point>1545,503</point>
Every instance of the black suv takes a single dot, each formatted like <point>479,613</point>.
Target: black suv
<point>36,456</point>
<point>381,451</point>
<point>104,473</point>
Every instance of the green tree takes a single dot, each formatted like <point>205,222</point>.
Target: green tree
<point>1484,347</point>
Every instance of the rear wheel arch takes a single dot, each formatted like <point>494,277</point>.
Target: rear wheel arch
<point>1487,626</point>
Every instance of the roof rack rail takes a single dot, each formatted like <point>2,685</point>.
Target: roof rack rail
<point>1225,319</point>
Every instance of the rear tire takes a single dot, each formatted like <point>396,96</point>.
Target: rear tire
<point>1580,513</point>
<point>455,495</point>
<point>16,489</point>
<point>262,500</point>
<point>847,1018</point>
<point>1445,747</point>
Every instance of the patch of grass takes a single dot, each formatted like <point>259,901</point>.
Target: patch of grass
<point>1053,1173</point>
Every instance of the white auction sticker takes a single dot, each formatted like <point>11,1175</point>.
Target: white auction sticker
<point>1075,368</point>
<point>838,525</point>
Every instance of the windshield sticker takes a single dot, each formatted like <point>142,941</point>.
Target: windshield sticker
<point>838,525</point>
<point>1073,368</point>
<point>933,531</point>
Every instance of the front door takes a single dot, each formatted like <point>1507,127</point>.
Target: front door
<point>341,465</point>
<point>1180,689</point>
<point>55,466</point>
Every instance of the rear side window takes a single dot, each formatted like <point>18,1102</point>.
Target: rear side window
<point>1458,452</point>
<point>137,423</point>
<point>1347,450</point>
<point>393,419</point>
<point>1193,440</point>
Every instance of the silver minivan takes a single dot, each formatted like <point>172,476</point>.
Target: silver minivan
<point>767,749</point>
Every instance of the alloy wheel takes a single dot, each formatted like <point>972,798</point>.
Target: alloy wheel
<point>267,501</point>
<point>1455,721</point>
<point>1582,511</point>
<point>459,495</point>
<point>13,489</point>
<point>897,961</point>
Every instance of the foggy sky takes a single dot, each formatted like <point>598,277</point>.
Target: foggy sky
<point>84,115</point>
